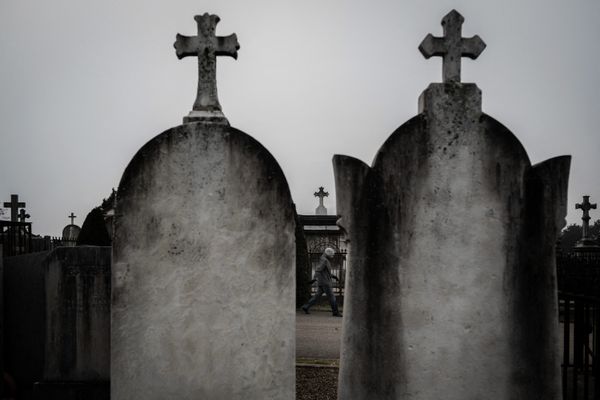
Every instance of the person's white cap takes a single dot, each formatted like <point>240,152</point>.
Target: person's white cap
<point>329,252</point>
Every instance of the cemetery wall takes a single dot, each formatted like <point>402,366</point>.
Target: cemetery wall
<point>57,321</point>
<point>1,320</point>
<point>24,318</point>
<point>78,314</point>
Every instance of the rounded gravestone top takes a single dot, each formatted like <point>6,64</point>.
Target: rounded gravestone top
<point>71,232</point>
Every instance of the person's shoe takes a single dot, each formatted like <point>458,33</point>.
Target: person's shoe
<point>338,315</point>
<point>305,309</point>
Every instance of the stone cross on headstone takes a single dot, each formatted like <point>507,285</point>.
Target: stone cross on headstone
<point>72,216</point>
<point>321,210</point>
<point>585,206</point>
<point>206,46</point>
<point>14,206</point>
<point>23,215</point>
<point>452,47</point>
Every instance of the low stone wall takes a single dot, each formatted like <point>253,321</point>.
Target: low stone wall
<point>57,322</point>
<point>24,319</point>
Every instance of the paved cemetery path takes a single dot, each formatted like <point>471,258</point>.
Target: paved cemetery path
<point>318,335</point>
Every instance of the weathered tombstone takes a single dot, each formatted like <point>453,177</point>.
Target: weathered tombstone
<point>451,284</point>
<point>203,258</point>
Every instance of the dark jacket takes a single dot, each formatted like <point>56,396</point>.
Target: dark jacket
<point>323,272</point>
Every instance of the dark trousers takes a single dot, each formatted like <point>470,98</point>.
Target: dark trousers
<point>320,290</point>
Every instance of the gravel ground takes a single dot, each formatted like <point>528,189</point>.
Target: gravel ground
<point>316,383</point>
<point>317,354</point>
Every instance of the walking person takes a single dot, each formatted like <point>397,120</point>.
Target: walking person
<point>323,277</point>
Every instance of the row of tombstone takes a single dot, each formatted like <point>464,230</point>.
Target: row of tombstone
<point>450,287</point>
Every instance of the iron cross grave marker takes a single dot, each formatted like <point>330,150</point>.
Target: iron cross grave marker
<point>23,215</point>
<point>14,206</point>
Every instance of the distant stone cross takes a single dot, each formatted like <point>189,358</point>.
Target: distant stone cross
<point>72,216</point>
<point>14,206</point>
<point>206,46</point>
<point>586,206</point>
<point>321,194</point>
<point>23,215</point>
<point>452,47</point>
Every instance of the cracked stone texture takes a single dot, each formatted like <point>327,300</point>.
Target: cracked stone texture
<point>451,286</point>
<point>203,270</point>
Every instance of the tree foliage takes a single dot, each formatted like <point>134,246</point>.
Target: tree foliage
<point>94,232</point>
<point>572,233</point>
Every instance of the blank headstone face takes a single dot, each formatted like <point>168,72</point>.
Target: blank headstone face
<point>203,271</point>
<point>451,287</point>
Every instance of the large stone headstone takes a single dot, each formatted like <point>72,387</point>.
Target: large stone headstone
<point>451,283</point>
<point>203,260</point>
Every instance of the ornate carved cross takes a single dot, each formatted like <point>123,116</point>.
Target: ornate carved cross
<point>23,215</point>
<point>207,46</point>
<point>72,216</point>
<point>321,194</point>
<point>14,206</point>
<point>452,47</point>
<point>585,206</point>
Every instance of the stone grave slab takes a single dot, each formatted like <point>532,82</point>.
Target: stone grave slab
<point>451,282</point>
<point>203,301</point>
<point>203,285</point>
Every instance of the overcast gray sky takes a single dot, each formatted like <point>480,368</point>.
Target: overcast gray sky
<point>84,84</point>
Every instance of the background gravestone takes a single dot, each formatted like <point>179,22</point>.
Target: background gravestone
<point>57,319</point>
<point>451,282</point>
<point>77,345</point>
<point>203,258</point>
